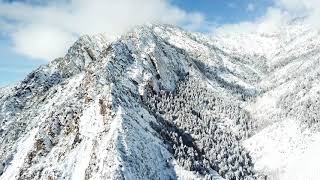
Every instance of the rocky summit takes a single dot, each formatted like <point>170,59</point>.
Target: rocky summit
<point>160,102</point>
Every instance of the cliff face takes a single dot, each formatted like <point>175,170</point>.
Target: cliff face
<point>163,103</point>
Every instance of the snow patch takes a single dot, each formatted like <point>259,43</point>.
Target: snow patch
<point>24,146</point>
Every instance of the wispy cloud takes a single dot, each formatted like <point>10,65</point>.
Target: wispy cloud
<point>45,29</point>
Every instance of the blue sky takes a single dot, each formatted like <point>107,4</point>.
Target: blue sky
<point>226,11</point>
<point>33,32</point>
<point>13,66</point>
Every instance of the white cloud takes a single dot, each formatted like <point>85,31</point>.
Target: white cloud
<point>41,42</point>
<point>268,23</point>
<point>276,15</point>
<point>45,31</point>
<point>308,8</point>
<point>298,5</point>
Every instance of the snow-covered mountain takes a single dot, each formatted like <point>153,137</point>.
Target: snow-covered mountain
<point>163,103</point>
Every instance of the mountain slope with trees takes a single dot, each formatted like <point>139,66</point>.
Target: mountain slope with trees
<point>163,103</point>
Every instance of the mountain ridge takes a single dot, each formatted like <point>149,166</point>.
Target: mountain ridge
<point>117,101</point>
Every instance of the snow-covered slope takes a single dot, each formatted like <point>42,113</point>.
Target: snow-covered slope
<point>163,103</point>
<point>288,110</point>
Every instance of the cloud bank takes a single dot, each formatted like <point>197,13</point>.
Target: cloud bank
<point>44,30</point>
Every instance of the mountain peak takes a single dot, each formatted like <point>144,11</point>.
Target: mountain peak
<point>163,103</point>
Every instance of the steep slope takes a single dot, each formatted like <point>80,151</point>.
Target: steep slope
<point>288,110</point>
<point>90,114</point>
